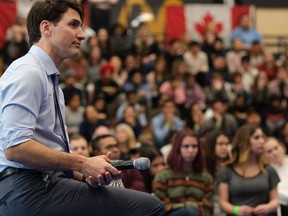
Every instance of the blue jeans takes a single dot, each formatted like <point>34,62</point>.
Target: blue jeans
<point>184,212</point>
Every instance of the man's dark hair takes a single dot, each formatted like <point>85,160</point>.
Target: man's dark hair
<point>95,142</point>
<point>50,10</point>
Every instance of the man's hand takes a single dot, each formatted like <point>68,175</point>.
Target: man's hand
<point>98,170</point>
<point>102,180</point>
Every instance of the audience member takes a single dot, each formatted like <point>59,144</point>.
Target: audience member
<point>79,145</point>
<point>132,99</point>
<point>185,187</point>
<point>70,87</point>
<point>256,54</point>
<point>100,13</point>
<point>208,44</point>
<point>260,92</point>
<point>103,144</point>
<point>79,66</point>
<point>174,89</point>
<point>74,114</point>
<point>104,43</point>
<point>102,130</point>
<point>275,115</point>
<point>145,48</point>
<point>239,109</point>
<point>197,62</point>
<point>219,88</point>
<point>173,51</point>
<point>275,153</point>
<point>246,185</point>
<point>90,123</point>
<point>269,65</point>
<point>219,66</point>
<point>234,56</point>
<point>216,153</point>
<point>120,75</point>
<point>279,85</point>
<point>157,164</point>
<point>14,47</point>
<point>195,94</point>
<point>126,140</point>
<point>95,61</point>
<point>220,119</point>
<point>195,118</point>
<point>120,41</point>
<point>218,49</point>
<point>237,89</point>
<point>108,88</point>
<point>136,82</point>
<point>101,108</point>
<point>245,32</point>
<point>130,63</point>
<point>248,73</point>
<point>130,118</point>
<point>165,124</point>
<point>217,150</point>
<point>156,78</point>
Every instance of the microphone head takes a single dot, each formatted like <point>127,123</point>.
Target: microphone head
<point>142,163</point>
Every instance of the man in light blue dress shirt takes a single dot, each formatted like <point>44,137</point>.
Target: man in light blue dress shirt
<point>34,157</point>
<point>246,33</point>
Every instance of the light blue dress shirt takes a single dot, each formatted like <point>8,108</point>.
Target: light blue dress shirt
<point>27,110</point>
<point>247,36</point>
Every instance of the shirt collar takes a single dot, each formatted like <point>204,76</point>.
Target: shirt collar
<point>45,60</point>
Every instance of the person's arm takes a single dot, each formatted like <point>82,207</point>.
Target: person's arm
<point>271,206</point>
<point>38,156</point>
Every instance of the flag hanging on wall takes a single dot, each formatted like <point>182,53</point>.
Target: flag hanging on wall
<point>196,19</point>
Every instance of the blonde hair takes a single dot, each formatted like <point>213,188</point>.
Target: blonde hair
<point>132,142</point>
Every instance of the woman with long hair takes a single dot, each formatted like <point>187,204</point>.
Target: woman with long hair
<point>185,187</point>
<point>247,185</point>
<point>216,150</point>
<point>216,153</point>
<point>126,140</point>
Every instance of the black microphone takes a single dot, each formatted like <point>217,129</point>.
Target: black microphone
<point>141,163</point>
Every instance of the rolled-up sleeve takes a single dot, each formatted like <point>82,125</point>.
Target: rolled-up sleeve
<point>20,104</point>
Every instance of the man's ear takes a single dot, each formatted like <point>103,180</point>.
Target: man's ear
<point>45,28</point>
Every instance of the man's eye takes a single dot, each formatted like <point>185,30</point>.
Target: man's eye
<point>74,24</point>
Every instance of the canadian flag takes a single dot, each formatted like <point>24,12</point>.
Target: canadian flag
<point>196,18</point>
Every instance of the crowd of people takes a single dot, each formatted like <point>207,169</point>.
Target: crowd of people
<point>198,110</point>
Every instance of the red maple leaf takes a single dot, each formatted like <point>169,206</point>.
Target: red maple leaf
<point>208,21</point>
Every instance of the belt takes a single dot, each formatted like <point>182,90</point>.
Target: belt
<point>8,171</point>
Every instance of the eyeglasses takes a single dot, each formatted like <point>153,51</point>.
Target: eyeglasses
<point>186,146</point>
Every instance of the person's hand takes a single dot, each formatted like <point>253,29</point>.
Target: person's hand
<point>169,118</point>
<point>245,211</point>
<point>261,210</point>
<point>102,180</point>
<point>98,170</point>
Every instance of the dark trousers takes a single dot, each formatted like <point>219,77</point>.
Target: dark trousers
<point>27,194</point>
